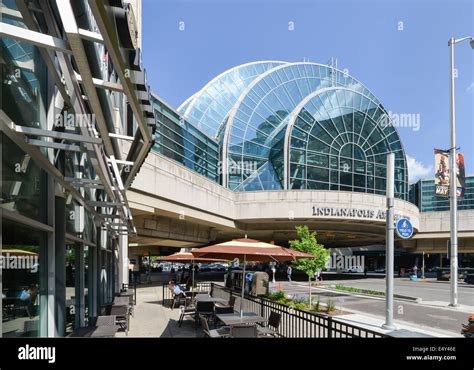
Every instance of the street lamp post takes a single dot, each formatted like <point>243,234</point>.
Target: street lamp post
<point>453,179</point>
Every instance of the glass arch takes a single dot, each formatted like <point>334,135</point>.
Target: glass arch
<point>208,108</point>
<point>256,125</point>
<point>344,147</point>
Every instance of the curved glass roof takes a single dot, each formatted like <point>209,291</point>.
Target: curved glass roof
<point>208,108</point>
<point>255,123</point>
<point>339,140</point>
<point>297,126</point>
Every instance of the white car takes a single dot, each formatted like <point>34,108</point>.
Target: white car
<point>354,269</point>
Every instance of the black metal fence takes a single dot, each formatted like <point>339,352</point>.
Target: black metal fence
<point>294,323</point>
<point>202,287</point>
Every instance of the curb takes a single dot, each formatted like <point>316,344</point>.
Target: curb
<point>398,296</point>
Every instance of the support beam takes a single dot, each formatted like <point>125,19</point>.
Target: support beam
<point>56,134</point>
<point>36,38</point>
<point>53,145</point>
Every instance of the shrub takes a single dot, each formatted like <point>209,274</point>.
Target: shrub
<point>276,296</point>
<point>330,306</point>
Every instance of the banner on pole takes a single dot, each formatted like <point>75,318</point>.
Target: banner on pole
<point>442,175</point>
<point>461,176</point>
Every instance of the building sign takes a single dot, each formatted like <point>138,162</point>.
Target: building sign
<point>352,212</point>
<point>404,228</point>
<point>442,175</point>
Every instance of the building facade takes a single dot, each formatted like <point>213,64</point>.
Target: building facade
<point>76,125</point>
<point>422,193</point>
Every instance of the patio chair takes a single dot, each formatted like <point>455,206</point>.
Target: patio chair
<point>188,309</point>
<point>214,333</point>
<point>121,312</point>
<point>180,299</point>
<point>272,328</point>
<point>230,304</point>
<point>243,331</point>
<point>205,309</point>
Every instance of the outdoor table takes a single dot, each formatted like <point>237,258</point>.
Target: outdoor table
<point>95,332</point>
<point>230,319</point>
<point>206,298</point>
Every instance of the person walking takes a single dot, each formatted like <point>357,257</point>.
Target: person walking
<point>289,271</point>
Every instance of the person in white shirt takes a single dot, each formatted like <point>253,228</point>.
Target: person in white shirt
<point>289,270</point>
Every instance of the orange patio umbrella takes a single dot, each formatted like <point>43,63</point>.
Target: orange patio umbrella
<point>249,250</point>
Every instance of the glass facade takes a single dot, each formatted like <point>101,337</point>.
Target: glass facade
<point>177,139</point>
<point>283,125</point>
<point>210,106</point>
<point>63,179</point>
<point>422,193</point>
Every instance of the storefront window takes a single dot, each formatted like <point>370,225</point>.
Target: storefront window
<point>70,287</point>
<point>23,182</point>
<point>23,281</point>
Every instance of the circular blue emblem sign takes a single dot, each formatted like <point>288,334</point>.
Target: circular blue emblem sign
<point>404,228</point>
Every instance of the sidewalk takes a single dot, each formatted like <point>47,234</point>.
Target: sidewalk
<point>152,320</point>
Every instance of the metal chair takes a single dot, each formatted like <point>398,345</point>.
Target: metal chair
<point>186,310</point>
<point>214,333</point>
<point>273,324</point>
<point>243,331</point>
<point>179,298</point>
<point>205,309</point>
<point>122,316</point>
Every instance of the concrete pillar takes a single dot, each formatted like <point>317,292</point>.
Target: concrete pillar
<point>123,260</point>
<point>79,249</point>
<point>60,265</point>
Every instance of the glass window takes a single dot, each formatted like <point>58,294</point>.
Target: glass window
<point>23,280</point>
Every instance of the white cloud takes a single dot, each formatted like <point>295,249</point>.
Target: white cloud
<point>417,170</point>
<point>470,88</point>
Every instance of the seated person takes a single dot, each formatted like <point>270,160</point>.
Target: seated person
<point>175,289</point>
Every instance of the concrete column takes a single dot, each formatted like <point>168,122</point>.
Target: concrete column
<point>123,260</point>
<point>60,265</point>
<point>79,249</point>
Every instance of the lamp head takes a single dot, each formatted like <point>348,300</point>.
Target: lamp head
<point>472,42</point>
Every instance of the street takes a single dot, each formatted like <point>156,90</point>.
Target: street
<point>438,317</point>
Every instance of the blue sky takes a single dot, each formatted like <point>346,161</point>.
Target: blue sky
<point>406,65</point>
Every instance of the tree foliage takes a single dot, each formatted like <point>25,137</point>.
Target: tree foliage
<point>307,243</point>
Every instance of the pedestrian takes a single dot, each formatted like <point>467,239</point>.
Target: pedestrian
<point>289,270</point>
<point>415,270</point>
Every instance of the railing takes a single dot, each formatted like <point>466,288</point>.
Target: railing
<point>294,323</point>
<point>203,287</point>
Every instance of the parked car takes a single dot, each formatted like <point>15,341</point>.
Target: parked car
<point>354,269</point>
<point>380,270</point>
<point>204,267</point>
<point>469,279</point>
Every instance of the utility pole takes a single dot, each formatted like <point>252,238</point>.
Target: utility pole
<point>389,243</point>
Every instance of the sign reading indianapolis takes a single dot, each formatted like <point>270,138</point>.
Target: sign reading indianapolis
<point>351,212</point>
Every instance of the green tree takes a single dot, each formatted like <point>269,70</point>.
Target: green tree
<point>307,243</point>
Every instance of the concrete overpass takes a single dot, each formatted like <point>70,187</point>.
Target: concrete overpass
<point>173,206</point>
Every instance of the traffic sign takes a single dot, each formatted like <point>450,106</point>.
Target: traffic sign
<point>404,228</point>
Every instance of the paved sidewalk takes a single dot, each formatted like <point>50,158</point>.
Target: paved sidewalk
<point>153,320</point>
